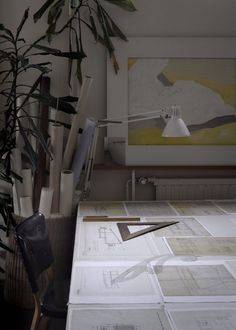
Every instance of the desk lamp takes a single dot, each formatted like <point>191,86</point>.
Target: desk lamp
<point>175,127</point>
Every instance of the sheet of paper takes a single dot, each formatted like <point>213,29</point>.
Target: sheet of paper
<point>149,209</point>
<point>101,208</point>
<point>228,206</point>
<point>203,246</point>
<point>193,208</point>
<point>209,283</point>
<point>112,284</point>
<point>219,225</point>
<point>102,241</point>
<point>123,318</point>
<point>185,227</point>
<point>204,317</point>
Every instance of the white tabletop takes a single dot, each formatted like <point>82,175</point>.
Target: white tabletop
<point>149,282</point>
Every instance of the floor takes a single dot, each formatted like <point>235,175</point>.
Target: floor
<point>16,318</point>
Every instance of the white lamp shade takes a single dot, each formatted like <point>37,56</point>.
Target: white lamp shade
<point>175,126</point>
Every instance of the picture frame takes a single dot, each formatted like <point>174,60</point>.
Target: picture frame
<point>118,101</point>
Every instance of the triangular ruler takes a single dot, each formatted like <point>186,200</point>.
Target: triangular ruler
<point>126,234</point>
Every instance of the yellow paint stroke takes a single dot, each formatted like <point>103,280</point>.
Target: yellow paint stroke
<point>131,62</point>
<point>221,135</point>
<point>218,75</point>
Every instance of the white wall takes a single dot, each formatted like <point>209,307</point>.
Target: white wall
<point>192,18</point>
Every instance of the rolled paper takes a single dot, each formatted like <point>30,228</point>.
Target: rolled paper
<point>66,192</point>
<point>27,183</point>
<point>72,138</point>
<point>16,167</point>
<point>26,207</point>
<point>45,202</point>
<point>16,200</point>
<point>56,164</point>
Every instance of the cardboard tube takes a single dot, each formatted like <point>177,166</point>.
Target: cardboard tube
<point>27,184</point>
<point>55,164</point>
<point>26,207</point>
<point>66,192</point>
<point>45,202</point>
<point>72,138</point>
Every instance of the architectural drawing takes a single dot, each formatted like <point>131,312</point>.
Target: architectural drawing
<point>102,284</point>
<point>123,318</point>
<point>186,227</point>
<point>193,208</point>
<point>208,281</point>
<point>203,246</point>
<point>207,319</point>
<point>227,206</point>
<point>102,240</point>
<point>102,208</point>
<point>149,209</point>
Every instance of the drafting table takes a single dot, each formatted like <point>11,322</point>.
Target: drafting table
<point>179,277</point>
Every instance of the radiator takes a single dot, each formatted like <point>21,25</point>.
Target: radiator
<point>204,188</point>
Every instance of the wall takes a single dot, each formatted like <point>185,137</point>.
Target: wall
<point>202,18</point>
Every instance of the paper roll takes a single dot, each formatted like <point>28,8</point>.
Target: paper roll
<point>72,138</point>
<point>55,164</point>
<point>27,184</point>
<point>26,207</point>
<point>16,167</point>
<point>66,192</point>
<point>45,202</point>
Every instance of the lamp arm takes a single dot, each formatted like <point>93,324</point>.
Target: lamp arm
<point>163,113</point>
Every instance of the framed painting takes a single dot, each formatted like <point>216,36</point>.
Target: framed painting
<point>199,75</point>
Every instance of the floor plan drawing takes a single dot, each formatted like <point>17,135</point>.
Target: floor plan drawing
<point>196,208</point>
<point>149,209</point>
<point>209,281</point>
<point>203,246</point>
<point>123,318</point>
<point>101,240</point>
<point>104,208</point>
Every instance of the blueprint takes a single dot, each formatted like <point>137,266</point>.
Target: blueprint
<point>209,282</point>
<point>205,319</point>
<point>100,283</point>
<point>149,209</point>
<point>202,246</point>
<point>102,240</point>
<point>186,227</point>
<point>102,208</point>
<point>122,318</point>
<point>193,208</point>
<point>227,206</point>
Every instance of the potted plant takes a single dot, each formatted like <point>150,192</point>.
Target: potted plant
<point>23,83</point>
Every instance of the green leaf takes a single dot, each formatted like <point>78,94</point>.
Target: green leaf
<point>24,18</point>
<point>124,4</point>
<point>42,10</point>
<point>55,11</point>
<point>52,101</point>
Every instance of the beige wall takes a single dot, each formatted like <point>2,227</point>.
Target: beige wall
<point>201,18</point>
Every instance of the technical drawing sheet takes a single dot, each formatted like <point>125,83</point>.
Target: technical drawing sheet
<point>119,318</point>
<point>196,283</point>
<point>203,246</point>
<point>203,316</point>
<point>193,208</point>
<point>101,208</point>
<point>149,209</point>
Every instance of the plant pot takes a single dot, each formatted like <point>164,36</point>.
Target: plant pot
<point>17,290</point>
